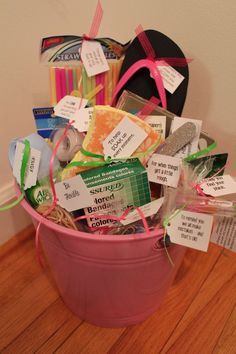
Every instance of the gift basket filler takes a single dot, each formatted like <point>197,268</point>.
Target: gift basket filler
<point>116,182</point>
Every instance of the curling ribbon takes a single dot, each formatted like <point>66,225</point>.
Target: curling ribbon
<point>25,159</point>
<point>108,160</point>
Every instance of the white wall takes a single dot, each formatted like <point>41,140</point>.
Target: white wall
<point>205,30</point>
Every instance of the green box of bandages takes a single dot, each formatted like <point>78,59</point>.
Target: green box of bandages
<point>114,188</point>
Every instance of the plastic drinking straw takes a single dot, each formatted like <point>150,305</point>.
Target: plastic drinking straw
<point>58,84</point>
<point>53,86</point>
<point>79,80</point>
<point>114,75</point>
<point>102,92</point>
<point>70,80</point>
<point>110,85</point>
<point>106,88</point>
<point>89,84</point>
<point>63,81</point>
<point>98,96</point>
<point>93,85</point>
<point>67,80</point>
<point>84,80</point>
<point>74,78</point>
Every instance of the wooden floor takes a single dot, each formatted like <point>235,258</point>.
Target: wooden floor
<point>197,316</point>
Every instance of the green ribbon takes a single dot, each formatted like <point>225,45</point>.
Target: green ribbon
<point>108,160</point>
<point>201,152</point>
<point>25,159</point>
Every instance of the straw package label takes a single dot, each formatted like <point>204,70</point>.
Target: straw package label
<point>219,185</point>
<point>68,106</point>
<point>191,229</point>
<point>191,147</point>
<point>164,169</point>
<point>224,232</point>
<point>158,123</point>
<point>124,139</point>
<point>73,194</point>
<point>147,209</point>
<point>32,167</point>
<point>93,58</point>
<point>83,118</point>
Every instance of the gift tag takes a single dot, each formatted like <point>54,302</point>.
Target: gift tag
<point>93,58</point>
<point>124,139</point>
<point>147,209</point>
<point>73,194</point>
<point>219,185</point>
<point>32,167</point>
<point>67,107</point>
<point>171,77</point>
<point>83,118</point>
<point>191,229</point>
<point>191,147</point>
<point>158,123</point>
<point>224,232</point>
<point>164,169</point>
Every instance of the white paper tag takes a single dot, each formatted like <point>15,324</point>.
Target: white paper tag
<point>73,194</point>
<point>224,232</point>
<point>164,169</point>
<point>93,58</point>
<point>124,139</point>
<point>191,229</point>
<point>171,77</point>
<point>147,209</point>
<point>219,185</point>
<point>192,147</point>
<point>158,123</point>
<point>68,106</point>
<point>33,165</point>
<point>83,118</point>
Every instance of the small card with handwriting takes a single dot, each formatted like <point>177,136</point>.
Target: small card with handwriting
<point>32,166</point>
<point>124,139</point>
<point>93,58</point>
<point>73,194</point>
<point>191,229</point>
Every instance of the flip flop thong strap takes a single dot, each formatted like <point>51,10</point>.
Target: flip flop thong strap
<point>153,68</point>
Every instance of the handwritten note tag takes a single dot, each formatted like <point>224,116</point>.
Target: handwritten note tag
<point>191,230</point>
<point>171,77</point>
<point>67,107</point>
<point>93,58</point>
<point>158,123</point>
<point>32,167</point>
<point>73,194</point>
<point>224,232</point>
<point>83,119</point>
<point>147,209</point>
<point>164,169</point>
<point>124,139</point>
<point>192,147</point>
<point>219,185</point>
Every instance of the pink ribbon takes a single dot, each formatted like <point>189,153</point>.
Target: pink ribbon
<point>152,63</point>
<point>148,108</point>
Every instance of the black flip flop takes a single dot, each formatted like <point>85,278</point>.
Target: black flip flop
<point>141,82</point>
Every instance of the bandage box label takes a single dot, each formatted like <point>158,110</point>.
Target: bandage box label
<point>114,188</point>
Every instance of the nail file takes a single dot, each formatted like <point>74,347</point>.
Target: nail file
<point>177,140</point>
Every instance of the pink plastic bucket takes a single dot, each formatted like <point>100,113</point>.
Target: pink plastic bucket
<point>108,280</point>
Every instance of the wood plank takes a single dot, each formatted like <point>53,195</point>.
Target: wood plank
<point>227,341</point>
<point>210,309</point>
<point>43,327</point>
<point>60,336</point>
<point>151,335</point>
<point>90,339</point>
<point>21,311</point>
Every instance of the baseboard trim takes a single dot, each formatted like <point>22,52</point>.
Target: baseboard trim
<point>7,192</point>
